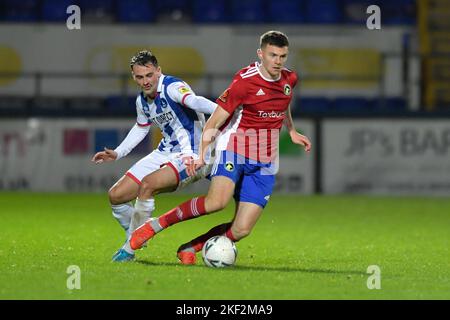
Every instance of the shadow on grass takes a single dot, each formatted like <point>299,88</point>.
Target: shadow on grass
<point>254,268</point>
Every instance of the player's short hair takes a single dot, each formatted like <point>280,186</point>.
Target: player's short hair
<point>274,38</point>
<point>143,58</point>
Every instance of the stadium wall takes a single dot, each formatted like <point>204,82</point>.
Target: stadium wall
<point>382,156</point>
<point>342,60</point>
<point>54,155</point>
<point>386,156</point>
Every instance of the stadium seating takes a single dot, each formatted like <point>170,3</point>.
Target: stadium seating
<point>206,11</point>
<point>391,105</point>
<point>248,11</point>
<point>286,11</point>
<point>355,11</point>
<point>398,12</point>
<point>173,10</point>
<point>20,11</point>
<point>135,11</point>
<point>352,105</point>
<point>323,11</point>
<point>311,105</point>
<point>120,106</point>
<point>85,107</point>
<point>98,10</point>
<point>49,107</point>
<point>55,10</point>
<point>14,106</point>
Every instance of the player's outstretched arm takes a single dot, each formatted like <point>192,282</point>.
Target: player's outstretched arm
<point>182,93</point>
<point>104,156</point>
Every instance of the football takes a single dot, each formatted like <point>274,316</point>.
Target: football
<point>219,252</point>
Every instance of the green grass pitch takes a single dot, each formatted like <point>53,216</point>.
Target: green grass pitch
<point>303,247</point>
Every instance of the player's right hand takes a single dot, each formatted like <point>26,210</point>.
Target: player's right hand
<point>104,156</point>
<point>193,166</point>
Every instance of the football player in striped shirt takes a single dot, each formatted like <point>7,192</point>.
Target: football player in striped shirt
<point>249,118</point>
<point>170,104</point>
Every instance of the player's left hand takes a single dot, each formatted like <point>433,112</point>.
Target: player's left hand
<point>300,139</point>
<point>193,165</point>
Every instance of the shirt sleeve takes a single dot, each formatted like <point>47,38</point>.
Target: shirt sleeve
<point>294,79</point>
<point>181,93</point>
<point>199,103</point>
<point>141,119</point>
<point>233,96</point>
<point>136,135</point>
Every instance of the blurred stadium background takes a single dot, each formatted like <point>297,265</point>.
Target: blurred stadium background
<point>374,102</point>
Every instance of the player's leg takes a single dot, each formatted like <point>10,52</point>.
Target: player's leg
<point>159,181</point>
<point>171,176</point>
<point>252,193</point>
<point>186,252</point>
<point>246,217</point>
<point>219,194</point>
<point>120,195</point>
<point>131,182</point>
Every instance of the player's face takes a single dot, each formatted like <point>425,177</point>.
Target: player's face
<point>273,59</point>
<point>147,78</point>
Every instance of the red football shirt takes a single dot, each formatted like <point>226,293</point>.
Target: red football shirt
<point>257,108</point>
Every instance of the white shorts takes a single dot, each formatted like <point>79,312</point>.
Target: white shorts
<point>175,160</point>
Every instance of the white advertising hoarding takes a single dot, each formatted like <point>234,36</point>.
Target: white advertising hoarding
<point>54,155</point>
<point>296,169</point>
<point>386,156</point>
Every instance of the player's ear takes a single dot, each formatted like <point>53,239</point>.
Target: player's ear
<point>259,53</point>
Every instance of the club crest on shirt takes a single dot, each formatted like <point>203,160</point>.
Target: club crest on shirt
<point>287,89</point>
<point>224,95</point>
<point>229,166</point>
<point>163,103</point>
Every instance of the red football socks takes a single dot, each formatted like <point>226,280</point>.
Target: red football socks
<point>223,229</point>
<point>188,210</point>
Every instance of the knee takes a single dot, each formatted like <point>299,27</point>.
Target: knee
<point>146,188</point>
<point>213,204</point>
<point>114,196</point>
<point>240,232</point>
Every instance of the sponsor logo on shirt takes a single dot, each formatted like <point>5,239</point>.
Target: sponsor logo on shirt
<point>163,118</point>
<point>183,90</point>
<point>272,114</point>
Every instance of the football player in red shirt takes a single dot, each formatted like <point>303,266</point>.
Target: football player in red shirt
<point>245,128</point>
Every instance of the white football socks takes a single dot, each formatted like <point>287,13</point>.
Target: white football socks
<point>143,210</point>
<point>122,213</point>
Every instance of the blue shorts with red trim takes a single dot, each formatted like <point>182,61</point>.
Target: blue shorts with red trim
<point>254,180</point>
